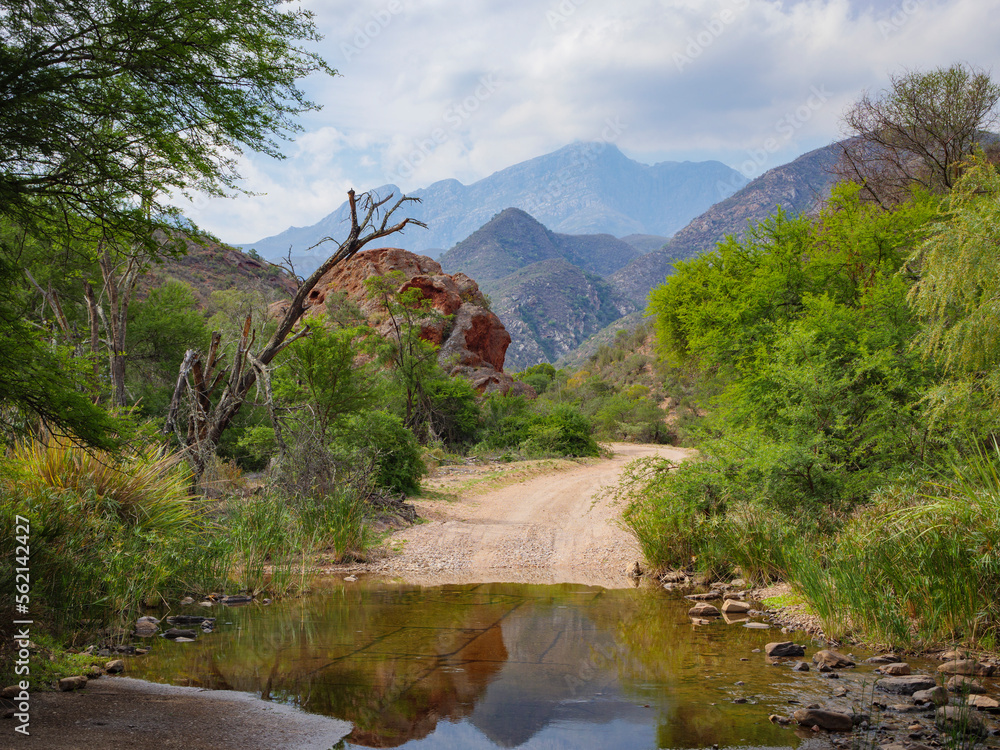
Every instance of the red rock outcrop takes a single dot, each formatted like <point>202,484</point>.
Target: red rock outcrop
<point>473,342</point>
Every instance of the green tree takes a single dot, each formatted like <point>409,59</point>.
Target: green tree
<point>108,102</point>
<point>323,373</point>
<point>111,110</point>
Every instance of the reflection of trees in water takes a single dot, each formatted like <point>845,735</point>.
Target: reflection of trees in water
<point>510,658</point>
<point>693,667</point>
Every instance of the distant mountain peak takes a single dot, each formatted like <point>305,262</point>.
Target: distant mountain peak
<point>582,188</point>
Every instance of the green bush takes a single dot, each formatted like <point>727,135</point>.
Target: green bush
<point>376,442</point>
<point>564,431</point>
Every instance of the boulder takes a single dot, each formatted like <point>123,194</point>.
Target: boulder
<point>72,683</point>
<point>906,685</point>
<point>831,721</point>
<point>896,669</point>
<point>801,666</point>
<point>784,648</point>
<point>703,610</point>
<point>114,666</point>
<point>473,341</point>
<point>735,607</point>
<point>832,659</point>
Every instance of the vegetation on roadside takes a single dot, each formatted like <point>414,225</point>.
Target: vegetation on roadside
<point>847,365</point>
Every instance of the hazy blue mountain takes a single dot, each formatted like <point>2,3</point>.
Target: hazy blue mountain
<point>584,188</point>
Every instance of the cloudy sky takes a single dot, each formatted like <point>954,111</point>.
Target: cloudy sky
<point>435,89</point>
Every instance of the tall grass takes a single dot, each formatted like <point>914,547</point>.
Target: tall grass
<point>112,534</point>
<point>916,570</point>
<point>107,533</point>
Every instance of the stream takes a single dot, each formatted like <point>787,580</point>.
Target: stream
<point>502,666</point>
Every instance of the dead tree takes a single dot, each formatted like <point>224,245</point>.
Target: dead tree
<point>201,378</point>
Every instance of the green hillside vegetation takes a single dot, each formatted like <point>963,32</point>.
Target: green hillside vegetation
<point>849,366</point>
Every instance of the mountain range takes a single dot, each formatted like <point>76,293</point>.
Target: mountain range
<point>556,291</point>
<point>583,188</point>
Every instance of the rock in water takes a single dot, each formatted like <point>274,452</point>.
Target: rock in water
<point>966,667</point>
<point>784,648</point>
<point>962,684</point>
<point>961,718</point>
<point>832,659</point>
<point>115,666</point>
<point>703,610</point>
<point>937,695</point>
<point>175,633</point>
<point>896,669</point>
<point>831,721</point>
<point>906,685</point>
<point>734,607</point>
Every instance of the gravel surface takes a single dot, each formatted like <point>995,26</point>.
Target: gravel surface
<point>554,528</point>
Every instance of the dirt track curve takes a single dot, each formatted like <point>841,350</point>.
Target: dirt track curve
<point>555,528</point>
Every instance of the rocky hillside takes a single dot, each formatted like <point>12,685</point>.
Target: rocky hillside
<point>513,239</point>
<point>801,185</point>
<point>548,288</point>
<point>551,307</point>
<point>584,188</point>
<point>210,266</point>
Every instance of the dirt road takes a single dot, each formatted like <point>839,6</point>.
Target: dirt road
<point>554,528</point>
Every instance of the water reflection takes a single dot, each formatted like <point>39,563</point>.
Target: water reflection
<point>495,665</point>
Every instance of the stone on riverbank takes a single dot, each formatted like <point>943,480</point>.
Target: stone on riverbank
<point>114,666</point>
<point>72,683</point>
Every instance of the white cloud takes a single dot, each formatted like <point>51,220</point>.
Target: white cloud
<point>411,89</point>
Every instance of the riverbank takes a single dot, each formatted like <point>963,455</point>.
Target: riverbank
<point>123,713</point>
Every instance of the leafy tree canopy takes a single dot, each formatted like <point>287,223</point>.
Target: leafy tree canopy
<point>111,103</point>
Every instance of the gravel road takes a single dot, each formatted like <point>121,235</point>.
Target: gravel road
<point>554,528</point>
